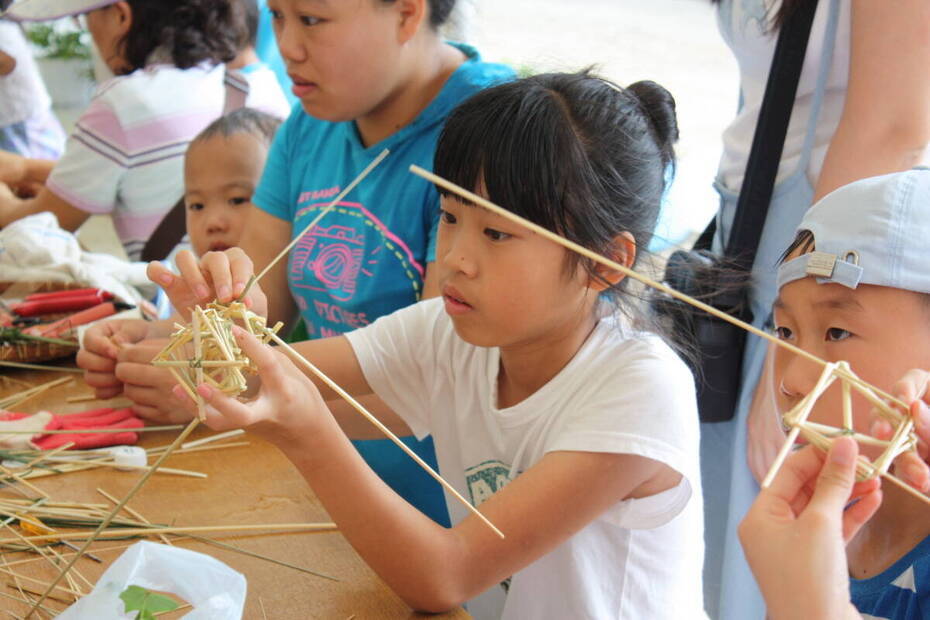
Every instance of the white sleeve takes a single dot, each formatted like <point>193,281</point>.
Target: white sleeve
<point>397,357</point>
<point>643,405</point>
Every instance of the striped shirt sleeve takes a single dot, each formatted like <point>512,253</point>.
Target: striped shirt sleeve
<point>96,157</point>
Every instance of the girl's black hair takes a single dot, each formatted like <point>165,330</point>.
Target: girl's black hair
<point>439,11</point>
<point>784,12</point>
<point>189,31</point>
<point>243,120</point>
<point>571,152</point>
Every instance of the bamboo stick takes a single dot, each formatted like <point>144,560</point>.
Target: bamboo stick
<point>124,532</point>
<point>377,160</point>
<point>302,361</point>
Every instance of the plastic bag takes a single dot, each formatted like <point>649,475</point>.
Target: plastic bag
<point>216,591</point>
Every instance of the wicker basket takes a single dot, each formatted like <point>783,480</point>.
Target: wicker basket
<point>31,352</point>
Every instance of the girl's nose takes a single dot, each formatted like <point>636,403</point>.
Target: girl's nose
<point>458,254</point>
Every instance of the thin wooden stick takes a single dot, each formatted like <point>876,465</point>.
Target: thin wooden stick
<point>332,205</point>
<point>212,438</point>
<point>259,556</point>
<point>122,532</point>
<point>807,404</point>
<point>198,359</point>
<point>40,367</point>
<point>144,429</point>
<point>571,245</point>
<point>299,359</point>
<point>113,464</point>
<point>81,399</point>
<point>103,524</point>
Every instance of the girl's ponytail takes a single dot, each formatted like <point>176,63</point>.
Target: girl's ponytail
<point>659,106</point>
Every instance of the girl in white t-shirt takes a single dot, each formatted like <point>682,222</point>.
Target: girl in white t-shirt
<point>575,431</point>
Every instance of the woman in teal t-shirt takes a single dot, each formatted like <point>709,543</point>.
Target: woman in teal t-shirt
<point>369,76</point>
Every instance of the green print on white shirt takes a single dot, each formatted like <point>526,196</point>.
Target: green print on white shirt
<point>486,479</point>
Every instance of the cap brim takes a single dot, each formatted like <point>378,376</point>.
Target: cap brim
<point>45,10</point>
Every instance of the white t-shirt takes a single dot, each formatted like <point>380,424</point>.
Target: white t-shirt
<point>622,393</point>
<point>747,34</point>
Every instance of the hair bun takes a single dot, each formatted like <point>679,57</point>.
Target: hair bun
<point>659,106</point>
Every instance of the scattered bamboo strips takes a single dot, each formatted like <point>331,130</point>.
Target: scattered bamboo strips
<point>15,399</point>
<point>109,518</point>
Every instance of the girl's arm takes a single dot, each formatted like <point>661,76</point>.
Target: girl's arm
<point>432,568</point>
<point>13,209</point>
<point>885,124</point>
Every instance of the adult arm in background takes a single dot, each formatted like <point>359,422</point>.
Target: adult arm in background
<point>885,127</point>
<point>13,208</point>
<point>795,534</point>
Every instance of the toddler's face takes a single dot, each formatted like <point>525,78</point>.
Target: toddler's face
<point>882,332</point>
<point>220,175</point>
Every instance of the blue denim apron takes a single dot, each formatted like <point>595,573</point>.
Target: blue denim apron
<point>729,489</point>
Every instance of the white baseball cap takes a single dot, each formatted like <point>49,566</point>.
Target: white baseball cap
<point>45,10</point>
<point>872,231</point>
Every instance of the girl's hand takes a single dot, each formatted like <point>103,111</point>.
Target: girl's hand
<point>100,349</point>
<point>795,533</point>
<point>220,276</point>
<point>911,466</point>
<point>288,407</point>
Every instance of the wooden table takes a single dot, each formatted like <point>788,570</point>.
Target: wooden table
<point>246,485</point>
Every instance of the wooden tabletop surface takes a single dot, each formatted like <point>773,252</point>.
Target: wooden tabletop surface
<point>252,484</point>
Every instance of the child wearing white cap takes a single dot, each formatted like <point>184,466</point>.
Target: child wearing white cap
<point>854,286</point>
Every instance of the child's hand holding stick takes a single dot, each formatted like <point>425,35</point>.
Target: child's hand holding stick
<point>912,467</point>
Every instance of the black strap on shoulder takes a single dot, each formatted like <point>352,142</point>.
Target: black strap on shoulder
<point>769,139</point>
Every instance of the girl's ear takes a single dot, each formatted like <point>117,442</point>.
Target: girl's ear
<point>412,14</point>
<point>624,252</point>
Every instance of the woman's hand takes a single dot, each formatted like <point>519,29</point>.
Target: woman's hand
<point>796,531</point>
<point>100,350</point>
<point>220,276</point>
<point>912,466</point>
<point>288,406</point>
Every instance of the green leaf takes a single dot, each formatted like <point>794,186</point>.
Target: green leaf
<point>146,603</point>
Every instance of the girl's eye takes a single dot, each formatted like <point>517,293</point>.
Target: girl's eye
<point>275,15</point>
<point>195,206</point>
<point>496,235</point>
<point>309,20</point>
<point>238,201</point>
<point>836,334</point>
<point>446,217</point>
<point>783,333</point>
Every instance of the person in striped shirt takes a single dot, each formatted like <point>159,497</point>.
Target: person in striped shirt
<point>125,157</point>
